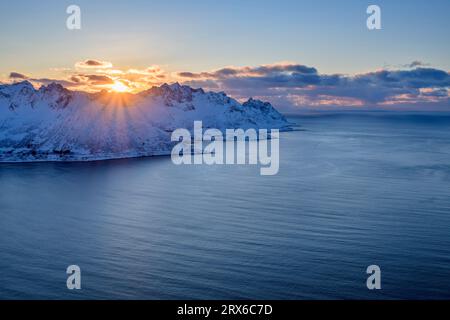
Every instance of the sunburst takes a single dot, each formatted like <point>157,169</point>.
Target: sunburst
<point>119,86</point>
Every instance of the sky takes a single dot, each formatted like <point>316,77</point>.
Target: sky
<point>292,53</point>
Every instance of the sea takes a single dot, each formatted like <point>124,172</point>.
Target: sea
<point>354,189</point>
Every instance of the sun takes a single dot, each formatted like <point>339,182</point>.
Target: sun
<point>119,86</point>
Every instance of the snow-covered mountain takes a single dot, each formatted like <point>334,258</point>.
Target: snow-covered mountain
<point>53,123</point>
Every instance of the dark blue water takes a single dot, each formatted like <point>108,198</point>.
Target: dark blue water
<point>353,190</point>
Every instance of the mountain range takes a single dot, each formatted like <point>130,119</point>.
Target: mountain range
<point>53,123</point>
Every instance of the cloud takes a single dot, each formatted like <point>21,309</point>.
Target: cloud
<point>434,92</point>
<point>415,63</point>
<point>98,79</point>
<point>45,81</point>
<point>16,75</point>
<point>264,70</point>
<point>191,75</point>
<point>300,85</point>
<point>92,63</point>
<point>90,80</point>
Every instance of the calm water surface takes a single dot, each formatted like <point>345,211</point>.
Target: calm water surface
<point>353,190</point>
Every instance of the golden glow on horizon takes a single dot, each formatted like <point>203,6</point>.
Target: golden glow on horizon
<point>119,86</point>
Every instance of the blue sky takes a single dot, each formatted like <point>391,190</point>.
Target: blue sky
<point>200,35</point>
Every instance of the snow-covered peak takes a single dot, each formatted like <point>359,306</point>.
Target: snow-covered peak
<point>17,94</point>
<point>22,88</point>
<point>256,103</point>
<point>53,88</point>
<point>264,108</point>
<point>19,85</point>
<point>173,93</point>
